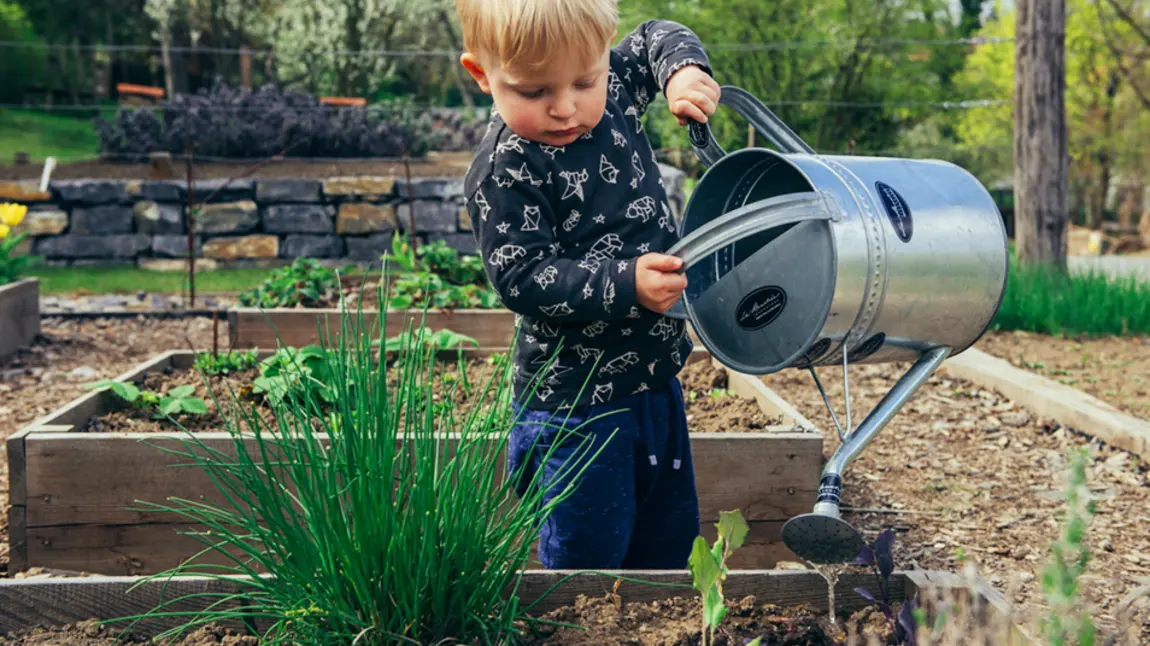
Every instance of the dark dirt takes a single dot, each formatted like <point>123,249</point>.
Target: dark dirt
<point>603,621</point>
<point>445,165</point>
<point>91,633</point>
<point>712,408</point>
<point>677,622</point>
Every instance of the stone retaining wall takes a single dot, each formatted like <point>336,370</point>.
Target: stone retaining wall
<point>261,222</point>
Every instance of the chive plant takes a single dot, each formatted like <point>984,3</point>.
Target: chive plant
<point>380,515</point>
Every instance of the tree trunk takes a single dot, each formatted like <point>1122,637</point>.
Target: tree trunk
<point>456,68</point>
<point>1040,154</point>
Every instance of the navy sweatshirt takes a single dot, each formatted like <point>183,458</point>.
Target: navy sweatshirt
<point>560,228</point>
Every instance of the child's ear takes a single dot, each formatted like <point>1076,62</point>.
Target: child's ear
<point>471,62</point>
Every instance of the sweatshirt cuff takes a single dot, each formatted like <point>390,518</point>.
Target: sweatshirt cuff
<point>622,281</point>
<point>674,65</point>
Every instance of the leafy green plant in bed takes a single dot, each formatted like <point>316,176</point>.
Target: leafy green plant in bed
<point>437,274</point>
<point>177,401</point>
<point>302,374</point>
<point>304,283</point>
<point>1067,621</point>
<point>224,363</point>
<point>389,531</point>
<point>708,568</point>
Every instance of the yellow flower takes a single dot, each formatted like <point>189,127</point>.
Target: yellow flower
<point>12,214</point>
<point>4,229</point>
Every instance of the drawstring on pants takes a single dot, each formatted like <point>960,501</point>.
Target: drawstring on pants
<point>676,429</point>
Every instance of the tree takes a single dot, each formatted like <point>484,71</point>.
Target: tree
<point>1040,153</point>
<point>830,63</point>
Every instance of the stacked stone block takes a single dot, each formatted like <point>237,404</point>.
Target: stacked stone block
<point>261,222</point>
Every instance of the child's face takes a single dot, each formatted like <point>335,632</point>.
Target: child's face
<point>554,105</point>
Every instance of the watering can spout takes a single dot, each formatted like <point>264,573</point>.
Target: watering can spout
<point>822,536</point>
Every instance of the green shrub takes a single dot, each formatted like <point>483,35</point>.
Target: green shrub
<point>390,531</point>
<point>1041,300</point>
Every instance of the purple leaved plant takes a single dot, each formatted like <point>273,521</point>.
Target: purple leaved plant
<point>880,558</point>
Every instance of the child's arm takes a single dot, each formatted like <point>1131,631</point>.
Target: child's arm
<point>514,223</point>
<point>650,55</point>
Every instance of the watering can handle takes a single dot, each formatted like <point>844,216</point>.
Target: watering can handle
<point>763,120</point>
<point>750,219</point>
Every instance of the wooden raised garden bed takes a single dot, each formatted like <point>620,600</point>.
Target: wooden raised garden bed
<point>19,315</point>
<point>761,603</point>
<point>75,474</point>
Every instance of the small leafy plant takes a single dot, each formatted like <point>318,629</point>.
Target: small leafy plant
<point>304,283</point>
<point>436,273</point>
<point>880,558</point>
<point>224,363</point>
<point>296,373</point>
<point>709,568</point>
<point>1067,622</point>
<point>179,400</point>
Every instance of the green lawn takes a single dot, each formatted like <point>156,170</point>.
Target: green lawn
<point>130,280</point>
<point>42,135</point>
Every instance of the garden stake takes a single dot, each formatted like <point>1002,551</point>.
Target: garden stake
<point>191,226</point>
<point>796,260</point>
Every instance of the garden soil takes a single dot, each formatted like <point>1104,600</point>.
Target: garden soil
<point>711,408</point>
<point>1113,369</point>
<point>965,475</point>
<point>603,620</point>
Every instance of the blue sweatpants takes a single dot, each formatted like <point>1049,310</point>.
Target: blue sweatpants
<point>635,506</point>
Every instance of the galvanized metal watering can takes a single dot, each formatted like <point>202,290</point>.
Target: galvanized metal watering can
<point>795,260</point>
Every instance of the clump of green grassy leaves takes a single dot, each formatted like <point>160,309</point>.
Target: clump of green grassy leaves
<point>437,274</point>
<point>396,529</point>
<point>1039,299</point>
<point>304,283</point>
<point>224,363</point>
<point>1067,622</point>
<point>177,401</point>
<point>708,566</point>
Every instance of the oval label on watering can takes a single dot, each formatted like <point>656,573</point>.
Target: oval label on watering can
<point>761,307</point>
<point>897,210</point>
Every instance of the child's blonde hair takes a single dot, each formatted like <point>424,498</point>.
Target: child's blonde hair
<point>529,34</point>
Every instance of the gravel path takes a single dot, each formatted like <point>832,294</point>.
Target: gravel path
<point>71,353</point>
<point>968,474</point>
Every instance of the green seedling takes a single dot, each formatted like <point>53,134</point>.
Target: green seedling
<point>1066,622</point>
<point>709,568</point>
<point>179,400</point>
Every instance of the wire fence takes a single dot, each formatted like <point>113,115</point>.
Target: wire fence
<point>874,43</point>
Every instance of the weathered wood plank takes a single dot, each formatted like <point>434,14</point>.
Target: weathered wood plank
<point>255,328</point>
<point>25,603</point>
<point>152,548</point>
<point>94,478</point>
<point>19,315</point>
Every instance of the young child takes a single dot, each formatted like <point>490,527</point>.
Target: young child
<point>571,216</point>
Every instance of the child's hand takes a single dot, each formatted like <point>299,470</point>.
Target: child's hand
<point>656,284</point>
<point>692,94</point>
